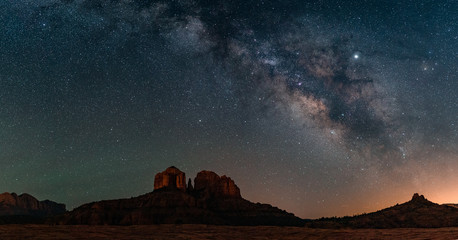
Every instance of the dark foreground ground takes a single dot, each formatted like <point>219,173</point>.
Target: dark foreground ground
<point>214,232</point>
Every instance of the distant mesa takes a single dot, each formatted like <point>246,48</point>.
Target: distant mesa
<point>26,208</point>
<point>25,204</point>
<point>212,200</point>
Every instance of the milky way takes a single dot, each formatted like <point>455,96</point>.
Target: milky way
<point>320,108</point>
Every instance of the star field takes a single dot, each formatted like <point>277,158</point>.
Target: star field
<point>321,108</point>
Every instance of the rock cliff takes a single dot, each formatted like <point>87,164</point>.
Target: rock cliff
<point>171,178</point>
<point>216,186</point>
<point>26,209</point>
<point>212,200</point>
<point>25,204</point>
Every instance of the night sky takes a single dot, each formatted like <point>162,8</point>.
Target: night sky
<point>322,108</point>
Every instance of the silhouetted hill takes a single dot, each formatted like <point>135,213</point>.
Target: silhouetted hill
<point>416,213</point>
<point>26,209</point>
<point>213,200</point>
<point>451,205</point>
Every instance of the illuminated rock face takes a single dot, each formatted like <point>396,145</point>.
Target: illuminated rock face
<point>212,200</point>
<point>26,205</point>
<point>171,178</point>
<point>215,185</point>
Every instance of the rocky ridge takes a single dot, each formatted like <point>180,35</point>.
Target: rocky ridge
<point>212,200</point>
<point>416,213</point>
<point>25,204</point>
<point>25,208</point>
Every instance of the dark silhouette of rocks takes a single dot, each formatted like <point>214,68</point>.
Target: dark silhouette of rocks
<point>212,185</point>
<point>212,200</point>
<point>451,205</point>
<point>189,188</point>
<point>26,209</point>
<point>416,213</point>
<point>416,198</point>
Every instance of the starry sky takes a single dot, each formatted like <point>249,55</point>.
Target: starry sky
<point>322,108</point>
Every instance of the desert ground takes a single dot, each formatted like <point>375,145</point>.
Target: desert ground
<point>214,232</point>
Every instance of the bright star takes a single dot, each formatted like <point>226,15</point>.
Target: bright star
<point>356,55</point>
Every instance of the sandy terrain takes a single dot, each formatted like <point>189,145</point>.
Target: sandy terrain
<point>213,232</point>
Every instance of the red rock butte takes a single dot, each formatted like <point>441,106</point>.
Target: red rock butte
<point>213,200</point>
<point>216,185</point>
<point>206,183</point>
<point>172,177</point>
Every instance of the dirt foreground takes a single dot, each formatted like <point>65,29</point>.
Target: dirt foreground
<point>214,232</point>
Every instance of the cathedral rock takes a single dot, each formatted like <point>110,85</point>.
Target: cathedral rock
<point>212,200</point>
<point>171,178</point>
<point>215,185</point>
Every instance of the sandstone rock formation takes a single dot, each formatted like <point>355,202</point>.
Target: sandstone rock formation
<point>213,200</point>
<point>216,186</point>
<point>189,188</point>
<point>26,209</point>
<point>416,213</point>
<point>418,198</point>
<point>25,204</point>
<point>172,177</point>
